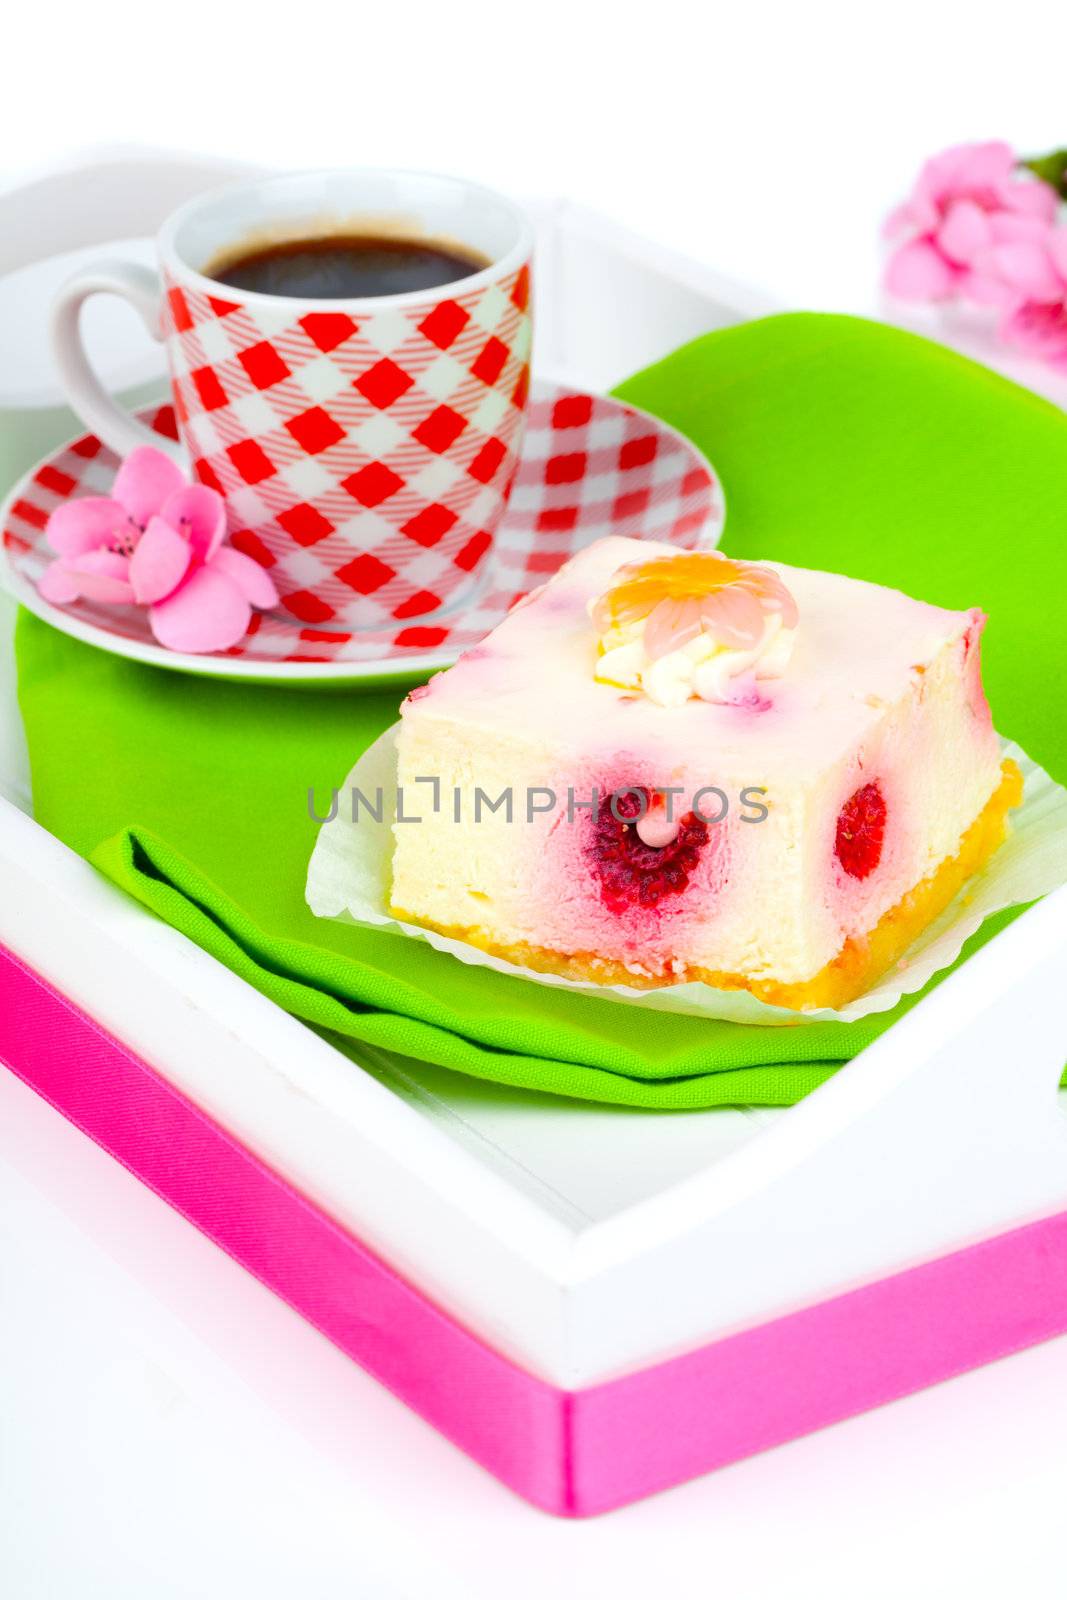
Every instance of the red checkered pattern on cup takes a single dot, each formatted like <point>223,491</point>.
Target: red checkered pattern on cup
<point>366,461</point>
<point>590,467</point>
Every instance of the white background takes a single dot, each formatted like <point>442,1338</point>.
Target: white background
<point>766,138</point>
<point>193,1438</point>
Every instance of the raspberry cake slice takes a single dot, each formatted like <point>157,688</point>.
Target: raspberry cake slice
<point>666,766</point>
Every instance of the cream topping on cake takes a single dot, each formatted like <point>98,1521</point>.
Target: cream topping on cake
<point>693,624</point>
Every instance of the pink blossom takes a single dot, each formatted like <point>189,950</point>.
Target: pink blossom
<point>1034,272</point>
<point>157,541</point>
<point>967,201</point>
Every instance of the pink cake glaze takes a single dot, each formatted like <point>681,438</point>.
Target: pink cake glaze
<point>544,651</point>
<point>881,691</point>
<point>972,670</point>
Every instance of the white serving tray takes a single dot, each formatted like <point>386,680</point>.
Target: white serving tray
<point>582,1241</point>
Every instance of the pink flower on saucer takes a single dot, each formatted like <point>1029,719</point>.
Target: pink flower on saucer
<point>966,201</point>
<point>157,541</point>
<point>1035,273</point>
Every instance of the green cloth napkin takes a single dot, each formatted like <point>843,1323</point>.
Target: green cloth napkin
<point>841,444</point>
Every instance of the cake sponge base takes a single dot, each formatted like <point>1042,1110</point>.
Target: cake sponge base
<point>859,963</point>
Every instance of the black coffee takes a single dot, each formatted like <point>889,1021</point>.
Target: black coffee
<point>347,267</point>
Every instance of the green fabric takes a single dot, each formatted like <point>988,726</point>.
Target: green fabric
<point>841,444</point>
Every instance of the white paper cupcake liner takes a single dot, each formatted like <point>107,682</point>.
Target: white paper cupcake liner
<point>350,867</point>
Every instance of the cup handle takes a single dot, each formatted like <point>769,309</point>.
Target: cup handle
<point>142,288</point>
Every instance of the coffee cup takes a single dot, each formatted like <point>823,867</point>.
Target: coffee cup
<point>364,443</point>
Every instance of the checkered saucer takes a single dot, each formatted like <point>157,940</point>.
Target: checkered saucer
<point>590,467</point>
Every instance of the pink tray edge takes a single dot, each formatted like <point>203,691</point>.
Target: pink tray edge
<point>574,1453</point>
